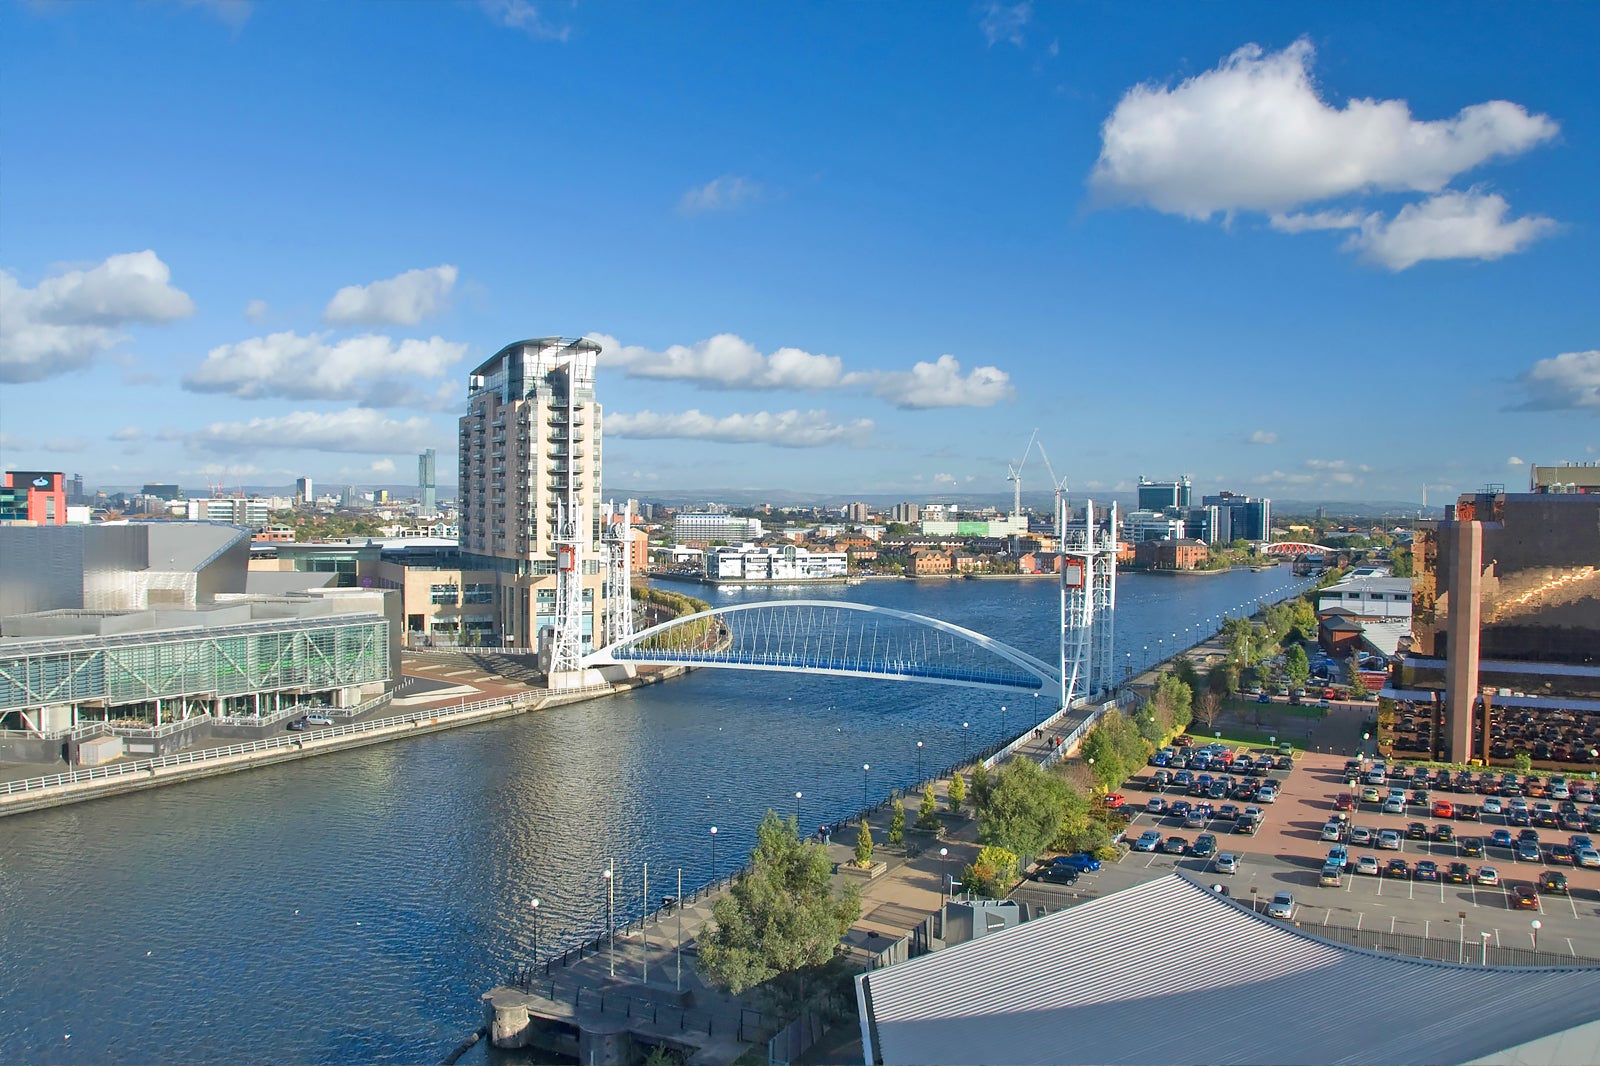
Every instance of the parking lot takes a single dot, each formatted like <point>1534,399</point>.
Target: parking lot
<point>1287,853</point>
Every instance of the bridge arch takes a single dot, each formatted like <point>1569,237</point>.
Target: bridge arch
<point>1295,548</point>
<point>834,637</point>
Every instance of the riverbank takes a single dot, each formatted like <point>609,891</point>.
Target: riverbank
<point>25,794</point>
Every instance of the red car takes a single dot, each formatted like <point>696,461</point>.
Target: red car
<point>1523,897</point>
<point>1443,809</point>
<point>1183,741</point>
<point>1114,800</point>
<point>1345,802</point>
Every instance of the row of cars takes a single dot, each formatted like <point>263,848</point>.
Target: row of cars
<point>1503,784</point>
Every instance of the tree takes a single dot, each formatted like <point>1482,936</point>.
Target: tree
<point>928,813</point>
<point>864,845</point>
<point>1296,667</point>
<point>1174,698</point>
<point>1077,832</point>
<point>1522,761</point>
<point>1401,563</point>
<point>1358,685</point>
<point>1025,809</point>
<point>780,921</point>
<point>991,873</point>
<point>1185,669</point>
<point>980,787</point>
<point>956,792</point>
<point>897,822</point>
<point>1223,679</point>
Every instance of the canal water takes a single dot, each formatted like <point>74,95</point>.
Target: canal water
<point>351,908</point>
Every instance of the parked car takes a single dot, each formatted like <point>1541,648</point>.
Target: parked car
<point>1528,851</point>
<point>1563,855</point>
<point>1471,847</point>
<point>1282,906</point>
<point>1488,876</point>
<point>1361,836</point>
<point>1149,840</point>
<point>1443,809</point>
<point>1226,863</point>
<point>1332,875</point>
<point>1394,805</point>
<point>1416,831</point>
<point>1459,873</point>
<point>1333,831</point>
<point>1399,869</point>
<point>1524,897</point>
<point>1443,833</point>
<point>1175,846</point>
<point>318,719</point>
<point>1114,800</point>
<point>1588,858</point>
<point>1501,838</point>
<point>1205,846</point>
<point>1156,805</point>
<point>1081,860</point>
<point>1059,875</point>
<point>1344,801</point>
<point>1389,840</point>
<point>297,726</point>
<point>1367,865</point>
<point>1426,870</point>
<point>1553,881</point>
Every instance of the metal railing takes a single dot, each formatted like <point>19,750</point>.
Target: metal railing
<point>149,766</point>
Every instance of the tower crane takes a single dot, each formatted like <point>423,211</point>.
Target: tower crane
<point>1014,474</point>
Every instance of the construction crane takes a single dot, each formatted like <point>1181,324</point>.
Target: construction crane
<point>1060,487</point>
<point>1014,474</point>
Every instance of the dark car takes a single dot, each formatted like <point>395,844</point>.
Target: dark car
<point>1444,834</point>
<point>1205,846</point>
<point>1397,868</point>
<point>298,725</point>
<point>1416,831</point>
<point>1471,847</point>
<point>1060,875</point>
<point>1524,897</point>
<point>1467,812</point>
<point>1227,812</point>
<point>1175,846</point>
<point>1553,881</point>
<point>1180,809</point>
<point>1459,873</point>
<point>1427,870</point>
<point>1562,854</point>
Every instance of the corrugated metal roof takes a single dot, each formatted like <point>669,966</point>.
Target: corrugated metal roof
<point>1168,971</point>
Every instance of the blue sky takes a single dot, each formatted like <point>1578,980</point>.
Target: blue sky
<point>853,248</point>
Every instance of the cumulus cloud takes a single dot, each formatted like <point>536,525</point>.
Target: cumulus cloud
<point>527,16</point>
<point>1569,381</point>
<point>403,300</point>
<point>64,322</point>
<point>1515,460</point>
<point>937,384</point>
<point>255,310</point>
<point>720,194</point>
<point>357,430</point>
<point>1005,22</point>
<point>727,361</point>
<point>944,479</point>
<point>786,429</point>
<point>381,466</point>
<point>370,369</point>
<point>1452,225</point>
<point>1253,134</point>
<point>1262,436</point>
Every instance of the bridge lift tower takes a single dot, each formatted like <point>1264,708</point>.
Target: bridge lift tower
<point>617,537</point>
<point>1088,603</point>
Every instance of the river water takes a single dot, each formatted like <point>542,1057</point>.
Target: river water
<point>351,908</point>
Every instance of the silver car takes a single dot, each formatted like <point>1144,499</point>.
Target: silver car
<point>1282,906</point>
<point>1227,863</point>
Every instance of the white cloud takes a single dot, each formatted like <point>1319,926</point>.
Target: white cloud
<point>720,194</point>
<point>944,479</point>
<point>127,434</point>
<point>403,300</point>
<point>527,16</point>
<point>1262,436</point>
<point>1005,22</point>
<point>63,323</point>
<point>1254,135</point>
<point>255,310</point>
<point>725,361</point>
<point>1452,225</point>
<point>381,466</point>
<point>1570,380</point>
<point>370,369</point>
<point>357,429</point>
<point>1317,220</point>
<point>787,429</point>
<point>937,384</point>
<point>1515,460</point>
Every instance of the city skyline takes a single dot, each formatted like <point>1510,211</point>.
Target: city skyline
<point>1290,253</point>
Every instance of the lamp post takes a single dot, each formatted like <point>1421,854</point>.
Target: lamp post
<point>1485,935</point>
<point>1252,899</point>
<point>1002,723</point>
<point>797,796</point>
<point>534,903</point>
<point>713,854</point>
<point>611,903</point>
<point>1461,938</point>
<point>864,768</point>
<point>919,762</point>
<point>1537,925</point>
<point>944,868</point>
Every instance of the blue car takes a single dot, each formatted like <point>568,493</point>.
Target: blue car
<point>1081,861</point>
<point>1501,838</point>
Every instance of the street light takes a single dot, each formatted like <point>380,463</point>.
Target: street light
<point>944,868</point>
<point>1537,925</point>
<point>797,796</point>
<point>864,768</point>
<point>713,854</point>
<point>1002,722</point>
<point>919,762</point>
<point>1485,935</point>
<point>611,903</point>
<point>534,903</point>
